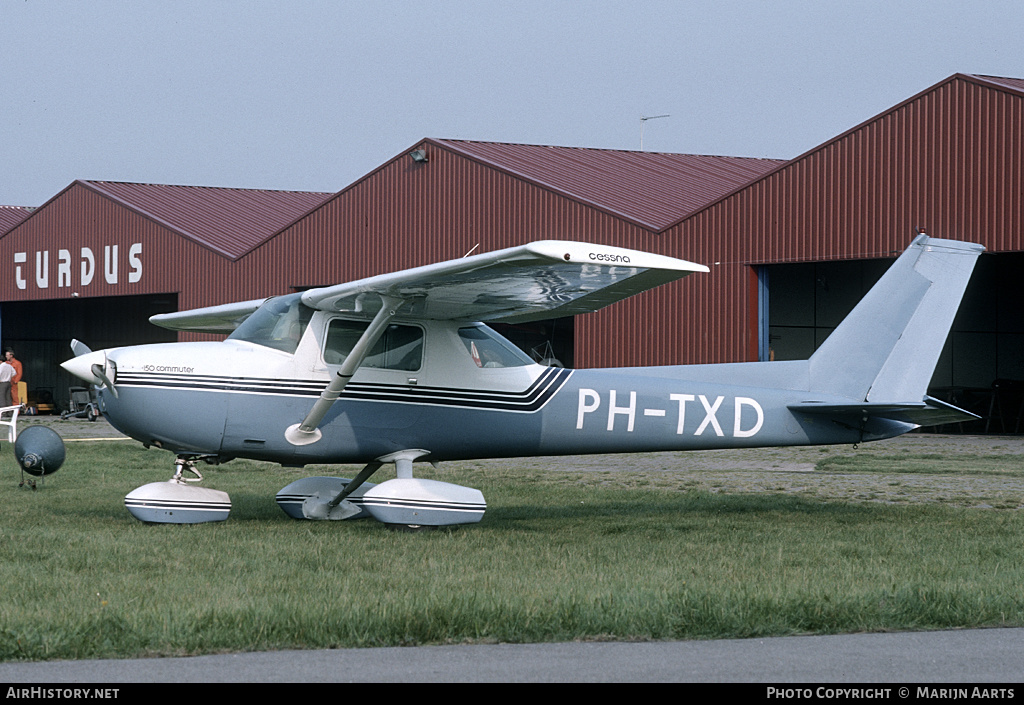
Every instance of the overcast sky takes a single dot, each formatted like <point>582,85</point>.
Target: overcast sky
<point>313,94</point>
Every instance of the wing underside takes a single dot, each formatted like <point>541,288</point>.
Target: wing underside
<point>547,279</point>
<point>211,319</point>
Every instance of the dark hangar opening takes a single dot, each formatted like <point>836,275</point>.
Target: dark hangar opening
<point>40,332</point>
<point>982,364</point>
<point>549,342</point>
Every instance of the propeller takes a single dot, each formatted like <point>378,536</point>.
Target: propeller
<point>100,372</point>
<point>90,366</point>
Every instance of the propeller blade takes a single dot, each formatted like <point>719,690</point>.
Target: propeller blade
<point>100,373</point>
<point>86,365</point>
<point>79,348</point>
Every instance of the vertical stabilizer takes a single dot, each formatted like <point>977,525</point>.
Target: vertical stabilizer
<point>887,348</point>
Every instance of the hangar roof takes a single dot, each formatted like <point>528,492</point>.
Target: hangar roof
<point>1015,84</point>
<point>11,216</point>
<point>653,189</point>
<point>230,221</point>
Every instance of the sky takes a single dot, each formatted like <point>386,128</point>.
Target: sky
<point>311,95</point>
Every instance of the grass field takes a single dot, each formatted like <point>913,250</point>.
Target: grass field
<point>647,552</point>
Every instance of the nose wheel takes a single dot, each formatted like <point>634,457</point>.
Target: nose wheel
<point>187,464</point>
<point>176,501</point>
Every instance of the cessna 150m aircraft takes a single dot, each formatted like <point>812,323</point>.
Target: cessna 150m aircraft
<point>397,368</point>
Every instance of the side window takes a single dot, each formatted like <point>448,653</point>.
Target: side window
<point>400,348</point>
<point>488,349</point>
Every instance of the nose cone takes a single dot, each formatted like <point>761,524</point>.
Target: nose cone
<point>81,366</point>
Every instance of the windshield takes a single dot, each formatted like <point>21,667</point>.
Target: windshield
<point>488,349</point>
<point>279,323</point>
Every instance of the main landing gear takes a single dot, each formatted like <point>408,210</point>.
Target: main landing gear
<point>404,502</point>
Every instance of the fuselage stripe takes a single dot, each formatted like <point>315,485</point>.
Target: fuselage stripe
<point>530,399</point>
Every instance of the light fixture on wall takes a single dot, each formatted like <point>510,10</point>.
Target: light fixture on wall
<point>419,156</point>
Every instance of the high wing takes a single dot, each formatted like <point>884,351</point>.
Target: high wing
<point>210,319</point>
<point>545,279</point>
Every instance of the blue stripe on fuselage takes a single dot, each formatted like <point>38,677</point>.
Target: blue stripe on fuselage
<point>531,399</point>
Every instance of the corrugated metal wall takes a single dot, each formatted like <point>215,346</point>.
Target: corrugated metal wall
<point>950,160</point>
<point>408,214</point>
<point>79,218</point>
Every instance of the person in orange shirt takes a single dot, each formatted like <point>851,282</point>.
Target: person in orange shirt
<point>16,364</point>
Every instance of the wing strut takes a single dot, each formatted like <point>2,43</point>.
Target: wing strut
<point>306,432</point>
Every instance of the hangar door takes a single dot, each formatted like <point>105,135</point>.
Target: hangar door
<point>40,332</point>
<point>982,364</point>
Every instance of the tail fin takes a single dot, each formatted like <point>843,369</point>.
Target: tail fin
<point>886,350</point>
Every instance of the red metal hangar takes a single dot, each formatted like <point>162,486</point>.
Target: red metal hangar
<point>791,244</point>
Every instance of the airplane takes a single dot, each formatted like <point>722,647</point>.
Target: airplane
<point>398,368</point>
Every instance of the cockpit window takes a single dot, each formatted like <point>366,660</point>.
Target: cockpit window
<point>279,323</point>
<point>488,349</point>
<point>400,348</point>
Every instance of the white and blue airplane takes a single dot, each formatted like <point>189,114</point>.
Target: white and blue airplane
<point>398,368</point>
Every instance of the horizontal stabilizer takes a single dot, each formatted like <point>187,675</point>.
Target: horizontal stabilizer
<point>930,412</point>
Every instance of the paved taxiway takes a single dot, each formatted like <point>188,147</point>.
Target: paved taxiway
<point>976,656</point>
